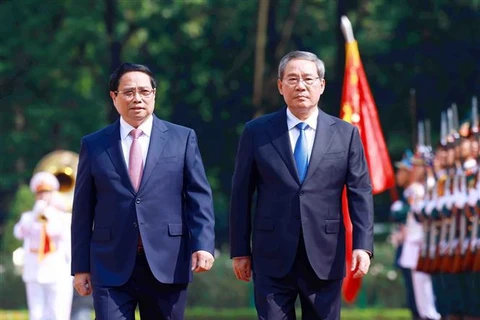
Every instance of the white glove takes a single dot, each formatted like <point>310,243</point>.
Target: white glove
<point>39,208</point>
<point>472,197</point>
<point>440,203</point>
<point>460,200</point>
<point>396,206</point>
<point>430,206</point>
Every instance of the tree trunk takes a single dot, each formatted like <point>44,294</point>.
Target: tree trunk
<point>260,45</point>
<point>20,165</point>
<point>115,48</point>
<point>336,86</point>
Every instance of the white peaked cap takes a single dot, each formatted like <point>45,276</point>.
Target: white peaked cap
<point>44,181</point>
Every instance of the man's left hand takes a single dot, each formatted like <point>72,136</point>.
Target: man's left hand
<point>360,263</point>
<point>202,261</point>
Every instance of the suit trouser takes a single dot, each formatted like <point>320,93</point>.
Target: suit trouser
<point>156,300</point>
<point>275,297</point>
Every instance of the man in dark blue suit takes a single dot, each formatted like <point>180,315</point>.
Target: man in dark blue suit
<point>298,161</point>
<point>142,214</point>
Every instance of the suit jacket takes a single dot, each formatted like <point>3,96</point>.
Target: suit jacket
<point>285,208</point>
<point>172,210</point>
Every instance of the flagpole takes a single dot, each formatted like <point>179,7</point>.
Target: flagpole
<point>358,108</point>
<point>347,30</point>
<point>351,286</point>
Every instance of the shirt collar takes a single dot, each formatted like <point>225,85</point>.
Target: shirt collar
<point>146,127</point>
<point>292,121</point>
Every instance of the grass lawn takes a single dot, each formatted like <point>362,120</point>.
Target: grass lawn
<point>249,314</point>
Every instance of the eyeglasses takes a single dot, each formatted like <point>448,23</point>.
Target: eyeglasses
<point>293,81</point>
<point>128,94</point>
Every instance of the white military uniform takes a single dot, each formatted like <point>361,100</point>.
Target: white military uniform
<point>46,274</point>
<point>421,281</point>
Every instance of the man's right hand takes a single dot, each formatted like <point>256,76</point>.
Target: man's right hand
<point>82,283</point>
<point>242,266</point>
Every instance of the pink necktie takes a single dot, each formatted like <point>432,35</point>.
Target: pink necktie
<point>135,160</point>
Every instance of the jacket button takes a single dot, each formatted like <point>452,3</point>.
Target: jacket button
<point>138,200</point>
<point>302,193</point>
<point>135,224</point>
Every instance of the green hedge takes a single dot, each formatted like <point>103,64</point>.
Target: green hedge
<point>382,287</point>
<point>249,314</point>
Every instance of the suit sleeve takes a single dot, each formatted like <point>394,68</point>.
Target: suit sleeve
<point>82,213</point>
<point>243,188</point>
<point>359,193</point>
<point>198,199</point>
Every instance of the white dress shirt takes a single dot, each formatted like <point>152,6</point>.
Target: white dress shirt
<point>144,139</point>
<point>294,132</point>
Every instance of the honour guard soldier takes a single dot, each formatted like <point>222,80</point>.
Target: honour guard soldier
<point>398,213</point>
<point>46,270</point>
<point>414,235</point>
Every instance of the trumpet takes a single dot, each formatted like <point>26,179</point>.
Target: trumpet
<point>42,218</point>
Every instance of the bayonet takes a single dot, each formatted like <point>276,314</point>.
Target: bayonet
<point>474,115</point>
<point>421,135</point>
<point>443,129</point>
<point>455,121</point>
<point>428,138</point>
<point>450,128</point>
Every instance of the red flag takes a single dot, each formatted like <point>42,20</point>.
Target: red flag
<point>358,108</point>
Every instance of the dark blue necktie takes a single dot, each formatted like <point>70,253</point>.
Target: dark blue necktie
<point>301,151</point>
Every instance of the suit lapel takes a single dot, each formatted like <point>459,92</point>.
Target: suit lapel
<point>280,138</point>
<point>113,145</point>
<point>323,138</point>
<point>157,143</point>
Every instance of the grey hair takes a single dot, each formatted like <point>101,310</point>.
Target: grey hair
<point>302,55</point>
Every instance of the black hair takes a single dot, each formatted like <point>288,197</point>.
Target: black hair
<point>129,67</point>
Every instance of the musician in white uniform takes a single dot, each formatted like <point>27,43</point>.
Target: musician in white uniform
<point>45,234</point>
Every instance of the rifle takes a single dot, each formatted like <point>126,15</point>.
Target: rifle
<point>471,208</point>
<point>437,249</point>
<point>452,211</point>
<point>448,227</point>
<point>429,265</point>
<point>421,216</point>
<point>440,250</point>
<point>460,247</point>
<point>429,224</point>
<point>469,258</point>
<point>476,261</point>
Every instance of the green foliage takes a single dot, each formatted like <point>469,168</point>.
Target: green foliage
<point>383,286</point>
<point>249,314</point>
<point>12,287</point>
<point>23,201</point>
<point>219,288</point>
<point>56,57</point>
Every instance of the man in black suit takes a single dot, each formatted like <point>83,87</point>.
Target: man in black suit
<point>143,212</point>
<point>298,161</point>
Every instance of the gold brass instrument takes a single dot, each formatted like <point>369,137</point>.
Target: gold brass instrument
<point>63,165</point>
